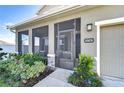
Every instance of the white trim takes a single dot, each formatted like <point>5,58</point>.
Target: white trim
<point>50,55</point>
<point>98,50</point>
<point>110,22</point>
<point>104,23</point>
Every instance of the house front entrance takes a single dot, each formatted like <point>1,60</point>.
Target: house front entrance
<point>67,43</point>
<point>66,49</point>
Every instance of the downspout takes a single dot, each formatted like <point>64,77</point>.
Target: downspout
<point>12,30</point>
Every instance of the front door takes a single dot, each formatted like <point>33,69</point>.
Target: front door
<point>66,49</point>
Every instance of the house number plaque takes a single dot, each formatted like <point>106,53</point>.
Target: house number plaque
<point>89,40</point>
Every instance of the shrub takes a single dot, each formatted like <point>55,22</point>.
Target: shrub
<point>28,58</point>
<point>3,66</point>
<point>31,58</point>
<point>5,75</point>
<point>83,74</point>
<point>24,71</point>
<point>2,54</point>
<point>75,79</point>
<point>95,80</point>
<point>16,70</point>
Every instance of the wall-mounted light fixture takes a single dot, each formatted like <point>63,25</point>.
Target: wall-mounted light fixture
<point>89,27</point>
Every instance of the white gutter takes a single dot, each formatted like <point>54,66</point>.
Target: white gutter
<point>12,30</point>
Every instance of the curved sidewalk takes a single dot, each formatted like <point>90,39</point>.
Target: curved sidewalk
<point>59,78</point>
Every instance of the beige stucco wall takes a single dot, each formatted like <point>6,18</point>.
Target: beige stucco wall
<point>91,16</point>
<point>87,16</point>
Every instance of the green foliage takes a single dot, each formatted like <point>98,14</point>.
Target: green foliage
<point>3,66</point>
<point>10,80</point>
<point>95,80</point>
<point>2,54</point>
<point>25,71</point>
<point>3,84</point>
<point>18,57</point>
<point>16,70</point>
<point>31,58</point>
<point>83,74</point>
<point>28,58</point>
<point>75,79</point>
<point>5,75</point>
<point>13,56</point>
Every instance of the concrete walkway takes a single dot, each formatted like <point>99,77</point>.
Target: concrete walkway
<point>59,78</point>
<point>56,79</point>
<point>112,82</point>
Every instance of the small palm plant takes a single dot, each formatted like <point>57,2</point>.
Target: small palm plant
<point>83,74</point>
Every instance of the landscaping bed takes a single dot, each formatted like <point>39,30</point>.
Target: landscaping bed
<point>22,70</point>
<point>33,81</point>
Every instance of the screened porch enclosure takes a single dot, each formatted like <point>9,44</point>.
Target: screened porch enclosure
<point>40,41</point>
<point>64,42</point>
<point>23,42</point>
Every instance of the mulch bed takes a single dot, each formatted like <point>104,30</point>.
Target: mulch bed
<point>33,81</point>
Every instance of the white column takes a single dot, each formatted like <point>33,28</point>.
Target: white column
<point>98,50</point>
<point>30,40</point>
<point>51,46</point>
